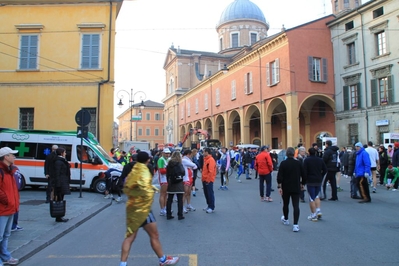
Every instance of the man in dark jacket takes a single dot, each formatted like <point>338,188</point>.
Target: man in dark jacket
<point>49,170</point>
<point>315,169</point>
<point>330,158</point>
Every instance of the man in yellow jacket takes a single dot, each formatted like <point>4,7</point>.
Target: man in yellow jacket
<point>208,178</point>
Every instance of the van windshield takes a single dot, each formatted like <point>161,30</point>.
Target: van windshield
<point>104,154</point>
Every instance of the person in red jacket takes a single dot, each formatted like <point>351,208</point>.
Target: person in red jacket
<point>264,167</point>
<point>9,202</point>
<point>208,178</point>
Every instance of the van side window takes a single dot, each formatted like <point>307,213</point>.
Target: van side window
<point>26,150</point>
<point>88,154</point>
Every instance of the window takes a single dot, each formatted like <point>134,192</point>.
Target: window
<point>378,12</point>
<point>188,110</point>
<point>352,94</point>
<point>156,132</point>
<point>90,51</point>
<point>206,101</point>
<point>317,68</point>
<point>322,109</point>
<point>182,112</point>
<point>253,37</point>
<point>157,117</point>
<point>336,5</point>
<point>353,132</point>
<point>140,132</point>
<point>196,106</point>
<point>346,3</point>
<point>217,97</point>
<point>356,3</point>
<point>351,53</point>
<point>26,118</point>
<point>147,116</point>
<point>273,72</point>
<point>147,131</point>
<point>349,25</point>
<point>221,44</point>
<point>233,89</point>
<point>28,52</point>
<point>382,92</point>
<point>93,120</point>
<point>171,85</point>
<point>248,83</point>
<point>381,43</point>
<point>234,40</point>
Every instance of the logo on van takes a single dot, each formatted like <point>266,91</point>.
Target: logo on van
<point>20,136</point>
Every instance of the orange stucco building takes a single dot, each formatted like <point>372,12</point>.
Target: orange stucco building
<point>278,90</point>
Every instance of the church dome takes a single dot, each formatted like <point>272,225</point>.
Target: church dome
<point>241,9</point>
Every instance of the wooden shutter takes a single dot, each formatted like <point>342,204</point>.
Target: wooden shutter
<point>245,84</point>
<point>359,95</point>
<point>346,98</point>
<point>310,68</point>
<point>277,70</point>
<point>250,83</point>
<point>374,93</point>
<point>268,74</point>
<point>391,98</point>
<point>325,73</point>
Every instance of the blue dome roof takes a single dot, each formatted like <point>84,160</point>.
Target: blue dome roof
<point>241,9</point>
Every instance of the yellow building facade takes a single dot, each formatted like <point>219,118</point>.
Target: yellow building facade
<point>57,58</point>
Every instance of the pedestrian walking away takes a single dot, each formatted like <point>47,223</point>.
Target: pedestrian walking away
<point>175,175</point>
<point>314,170</point>
<point>140,192</point>
<point>264,166</point>
<point>290,180</point>
<point>331,160</point>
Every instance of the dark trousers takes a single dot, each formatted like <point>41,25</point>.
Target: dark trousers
<point>295,205</point>
<point>354,186</point>
<point>333,183</point>
<point>48,190</point>
<point>268,179</point>
<point>364,187</point>
<point>15,221</point>
<point>209,194</point>
<point>382,173</point>
<point>223,182</point>
<point>179,205</point>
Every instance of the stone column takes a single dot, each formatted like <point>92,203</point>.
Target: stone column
<point>292,119</point>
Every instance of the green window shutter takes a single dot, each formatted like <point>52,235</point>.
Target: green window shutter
<point>325,74</point>
<point>359,96</point>
<point>391,92</point>
<point>346,98</point>
<point>310,68</point>
<point>374,92</point>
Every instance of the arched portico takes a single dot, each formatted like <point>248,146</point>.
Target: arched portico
<point>252,126</point>
<point>220,130</point>
<point>234,127</point>
<point>276,124</point>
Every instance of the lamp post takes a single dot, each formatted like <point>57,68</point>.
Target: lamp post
<point>131,103</point>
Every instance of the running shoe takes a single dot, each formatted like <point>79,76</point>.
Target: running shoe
<point>312,218</point>
<point>190,208</point>
<point>319,214</point>
<point>284,221</point>
<point>295,228</point>
<point>209,210</point>
<point>169,261</point>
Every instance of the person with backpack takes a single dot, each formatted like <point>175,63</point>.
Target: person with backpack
<point>175,175</point>
<point>9,201</point>
<point>331,158</point>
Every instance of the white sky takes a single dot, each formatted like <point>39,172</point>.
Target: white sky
<point>147,28</point>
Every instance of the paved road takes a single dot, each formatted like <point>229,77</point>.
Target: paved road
<point>243,231</point>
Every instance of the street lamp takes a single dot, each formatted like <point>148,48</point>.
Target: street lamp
<point>131,102</point>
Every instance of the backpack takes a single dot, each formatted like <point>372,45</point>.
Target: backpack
<point>174,178</point>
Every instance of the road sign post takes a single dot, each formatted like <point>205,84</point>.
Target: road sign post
<point>82,118</point>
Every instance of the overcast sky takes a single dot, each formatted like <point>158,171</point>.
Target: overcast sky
<point>147,28</point>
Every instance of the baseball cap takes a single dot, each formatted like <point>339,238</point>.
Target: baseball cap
<point>359,144</point>
<point>265,147</point>
<point>6,150</point>
<point>166,150</point>
<point>396,144</point>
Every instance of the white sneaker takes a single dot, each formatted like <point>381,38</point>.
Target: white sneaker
<point>394,189</point>
<point>284,221</point>
<point>209,210</point>
<point>312,218</point>
<point>162,212</point>
<point>190,208</point>
<point>108,196</point>
<point>118,199</point>
<point>185,210</point>
<point>319,214</point>
<point>295,228</point>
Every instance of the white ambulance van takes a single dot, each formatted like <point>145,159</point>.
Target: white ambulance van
<point>35,145</point>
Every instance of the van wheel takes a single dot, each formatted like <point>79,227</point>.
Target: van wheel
<point>99,186</point>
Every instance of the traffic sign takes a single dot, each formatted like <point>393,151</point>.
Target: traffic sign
<point>82,117</point>
<point>136,118</point>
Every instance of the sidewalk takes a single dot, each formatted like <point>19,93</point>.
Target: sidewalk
<point>40,230</point>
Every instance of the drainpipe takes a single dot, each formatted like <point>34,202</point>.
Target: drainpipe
<point>365,74</point>
<point>108,74</point>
